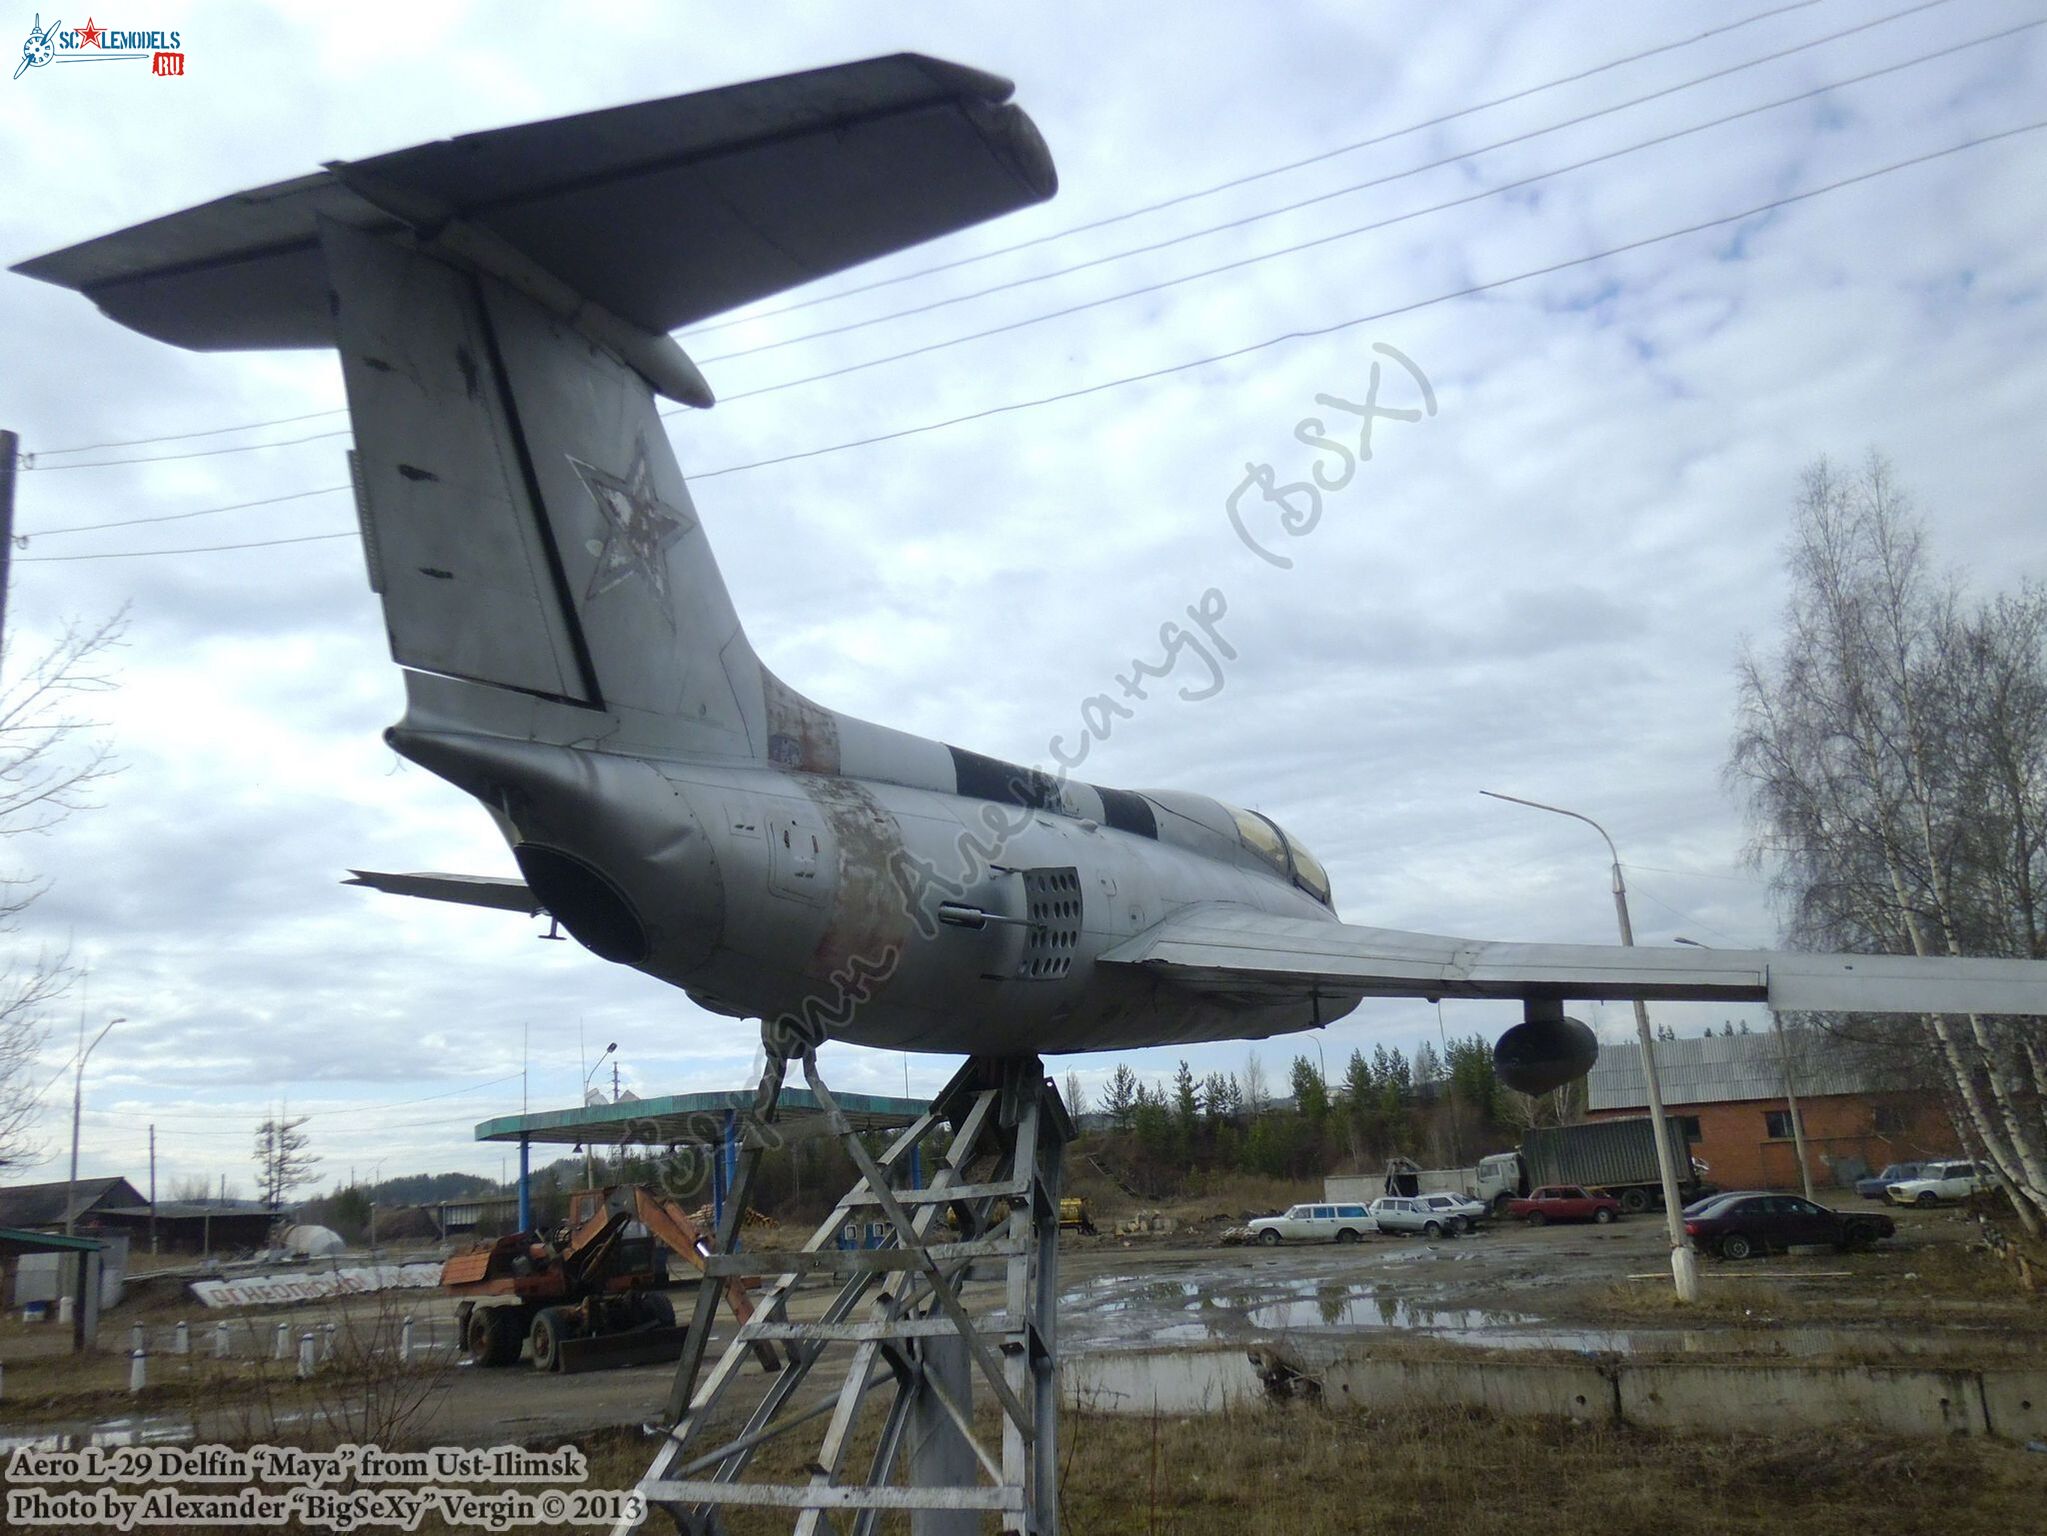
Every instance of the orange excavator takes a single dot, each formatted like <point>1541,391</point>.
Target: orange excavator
<point>588,1296</point>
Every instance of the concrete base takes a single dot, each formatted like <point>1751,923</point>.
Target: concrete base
<point>1512,1387</point>
<point>1716,1397</point>
<point>1764,1399</point>
<point>2015,1404</point>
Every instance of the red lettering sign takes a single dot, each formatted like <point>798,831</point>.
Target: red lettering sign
<point>167,64</point>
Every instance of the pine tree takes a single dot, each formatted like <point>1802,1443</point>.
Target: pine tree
<point>1186,1107</point>
<point>1215,1098</point>
<point>1119,1098</point>
<point>1311,1094</point>
<point>1357,1083</point>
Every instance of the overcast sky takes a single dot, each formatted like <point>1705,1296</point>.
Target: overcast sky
<point>1541,589</point>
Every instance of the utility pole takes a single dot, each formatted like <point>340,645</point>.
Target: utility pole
<point>152,1189</point>
<point>1684,1263</point>
<point>10,450</point>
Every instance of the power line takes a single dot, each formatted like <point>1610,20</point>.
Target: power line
<point>1400,309</point>
<point>173,1118</point>
<point>173,517</point>
<point>31,460</point>
<point>197,453</point>
<point>1240,181</point>
<point>1377,224</point>
<point>1104,385</point>
<point>197,549</point>
<point>1309,202</point>
<point>180,437</point>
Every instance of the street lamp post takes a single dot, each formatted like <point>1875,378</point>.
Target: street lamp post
<point>1684,1263</point>
<point>589,1160</point>
<point>77,1101</point>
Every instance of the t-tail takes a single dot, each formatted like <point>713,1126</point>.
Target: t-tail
<point>501,305</point>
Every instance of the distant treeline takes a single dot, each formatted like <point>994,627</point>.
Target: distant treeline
<point>1164,1138</point>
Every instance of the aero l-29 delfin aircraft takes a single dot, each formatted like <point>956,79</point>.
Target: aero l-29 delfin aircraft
<point>501,303</point>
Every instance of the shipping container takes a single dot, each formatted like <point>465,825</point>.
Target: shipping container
<point>1605,1154</point>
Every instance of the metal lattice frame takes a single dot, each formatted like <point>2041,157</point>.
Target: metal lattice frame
<point>898,1318</point>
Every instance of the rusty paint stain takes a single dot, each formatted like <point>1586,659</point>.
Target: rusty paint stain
<point>414,472</point>
<point>471,378</point>
<point>801,735</point>
<point>868,918</point>
<point>436,572</point>
<point>377,363</point>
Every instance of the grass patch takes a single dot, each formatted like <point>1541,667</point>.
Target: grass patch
<point>1311,1472</point>
<point>1306,1472</point>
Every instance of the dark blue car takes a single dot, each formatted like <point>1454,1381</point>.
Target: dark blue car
<point>1897,1173</point>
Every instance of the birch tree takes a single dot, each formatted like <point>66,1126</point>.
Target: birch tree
<point>1893,752</point>
<point>51,763</point>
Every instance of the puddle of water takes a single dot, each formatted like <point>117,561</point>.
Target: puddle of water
<point>1109,1313</point>
<point>111,1432</point>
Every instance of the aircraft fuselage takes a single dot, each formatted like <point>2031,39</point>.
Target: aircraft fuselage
<point>881,913</point>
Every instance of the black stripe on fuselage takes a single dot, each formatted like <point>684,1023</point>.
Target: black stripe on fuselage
<point>1128,811</point>
<point>990,778</point>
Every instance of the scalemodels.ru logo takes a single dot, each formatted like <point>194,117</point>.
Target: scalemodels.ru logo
<point>93,43</point>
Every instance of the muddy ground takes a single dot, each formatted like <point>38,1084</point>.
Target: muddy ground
<point>1931,1295</point>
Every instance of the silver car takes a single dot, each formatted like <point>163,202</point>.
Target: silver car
<point>1400,1213</point>
<point>1462,1213</point>
<point>1313,1224</point>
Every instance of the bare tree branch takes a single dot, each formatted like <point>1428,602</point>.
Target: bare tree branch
<point>50,766</point>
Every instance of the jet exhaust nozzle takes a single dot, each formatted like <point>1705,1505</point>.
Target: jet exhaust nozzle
<point>1545,1050</point>
<point>593,909</point>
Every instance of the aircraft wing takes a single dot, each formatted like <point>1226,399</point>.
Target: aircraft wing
<point>497,891</point>
<point>1239,953</point>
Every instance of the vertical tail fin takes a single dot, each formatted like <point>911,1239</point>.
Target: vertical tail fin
<point>524,519</point>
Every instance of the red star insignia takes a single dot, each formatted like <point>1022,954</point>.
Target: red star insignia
<point>89,35</point>
<point>638,528</point>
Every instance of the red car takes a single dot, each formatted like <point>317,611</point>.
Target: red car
<point>1564,1202</point>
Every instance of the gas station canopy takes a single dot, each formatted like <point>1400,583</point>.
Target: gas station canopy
<point>680,1119</point>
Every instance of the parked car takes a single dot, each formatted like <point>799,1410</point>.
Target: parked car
<point>1707,1202</point>
<point>1748,1224</point>
<point>1941,1181</point>
<point>1873,1187</point>
<point>1314,1224</point>
<point>1462,1213</point>
<point>1400,1213</point>
<point>1564,1202</point>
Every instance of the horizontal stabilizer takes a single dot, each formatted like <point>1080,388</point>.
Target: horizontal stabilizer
<point>661,213</point>
<point>1239,953</point>
<point>506,895</point>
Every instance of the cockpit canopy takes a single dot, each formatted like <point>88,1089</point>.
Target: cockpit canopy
<point>1264,837</point>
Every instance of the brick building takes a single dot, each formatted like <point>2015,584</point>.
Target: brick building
<point>1729,1093</point>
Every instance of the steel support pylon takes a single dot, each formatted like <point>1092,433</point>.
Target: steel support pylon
<point>895,1317</point>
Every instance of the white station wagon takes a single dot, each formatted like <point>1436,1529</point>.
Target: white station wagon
<point>1314,1224</point>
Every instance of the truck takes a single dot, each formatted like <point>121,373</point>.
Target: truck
<point>588,1296</point>
<point>1611,1157</point>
